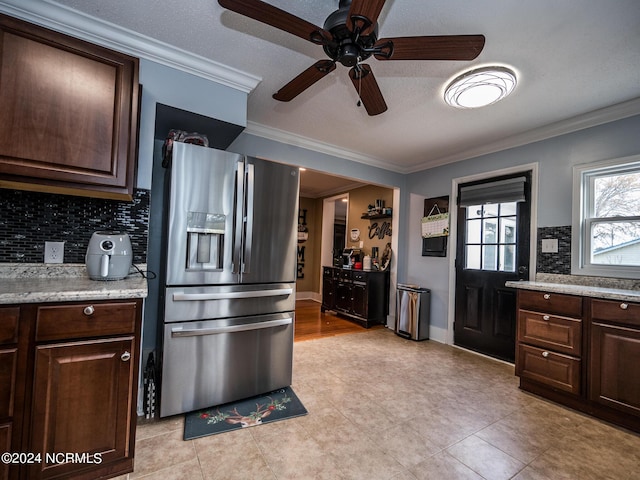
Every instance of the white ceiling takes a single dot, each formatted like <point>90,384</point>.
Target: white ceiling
<point>572,57</point>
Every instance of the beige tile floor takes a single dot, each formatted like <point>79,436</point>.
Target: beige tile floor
<point>381,407</point>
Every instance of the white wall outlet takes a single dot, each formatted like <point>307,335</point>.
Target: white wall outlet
<point>53,252</point>
<point>550,245</point>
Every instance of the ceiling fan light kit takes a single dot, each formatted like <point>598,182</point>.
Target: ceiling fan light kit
<point>349,36</point>
<point>480,87</point>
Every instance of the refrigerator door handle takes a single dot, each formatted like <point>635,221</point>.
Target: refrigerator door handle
<point>248,238</point>
<point>193,332</point>
<point>238,205</point>
<point>180,296</point>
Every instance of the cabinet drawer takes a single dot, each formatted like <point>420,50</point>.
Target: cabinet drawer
<point>327,272</point>
<point>9,324</point>
<point>359,276</point>
<point>58,322</point>
<point>344,275</point>
<point>553,369</point>
<point>616,311</point>
<point>561,334</point>
<point>547,302</point>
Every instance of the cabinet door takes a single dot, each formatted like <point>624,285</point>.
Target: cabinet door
<point>82,403</point>
<point>615,357</point>
<point>344,299</point>
<point>360,301</point>
<point>68,111</point>
<point>328,294</point>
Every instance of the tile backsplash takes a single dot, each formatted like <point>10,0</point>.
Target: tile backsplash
<point>558,263</point>
<point>28,219</point>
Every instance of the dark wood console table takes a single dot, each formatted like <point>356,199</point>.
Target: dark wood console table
<point>362,296</point>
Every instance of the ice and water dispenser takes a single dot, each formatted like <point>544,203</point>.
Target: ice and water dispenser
<point>205,240</point>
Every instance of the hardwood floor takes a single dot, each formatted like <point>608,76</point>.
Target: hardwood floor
<point>311,323</point>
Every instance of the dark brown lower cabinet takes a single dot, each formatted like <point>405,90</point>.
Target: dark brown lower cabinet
<point>82,399</point>
<point>614,366</point>
<point>581,352</point>
<point>72,373</point>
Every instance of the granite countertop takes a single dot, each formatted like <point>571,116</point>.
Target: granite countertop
<point>36,283</point>
<point>611,289</point>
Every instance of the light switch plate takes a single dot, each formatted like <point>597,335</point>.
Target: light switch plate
<point>550,245</point>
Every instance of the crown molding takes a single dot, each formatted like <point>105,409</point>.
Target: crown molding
<point>86,27</point>
<point>594,118</point>
<point>579,122</point>
<point>277,135</point>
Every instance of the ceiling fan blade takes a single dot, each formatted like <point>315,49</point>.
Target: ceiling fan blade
<point>311,75</point>
<point>370,9</point>
<point>367,88</point>
<point>445,47</point>
<point>265,13</point>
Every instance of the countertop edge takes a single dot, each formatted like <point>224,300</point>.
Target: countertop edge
<point>24,284</point>
<point>581,290</point>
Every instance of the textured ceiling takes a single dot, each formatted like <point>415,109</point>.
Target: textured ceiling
<point>572,57</point>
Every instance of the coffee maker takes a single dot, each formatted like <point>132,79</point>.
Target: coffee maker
<point>350,256</point>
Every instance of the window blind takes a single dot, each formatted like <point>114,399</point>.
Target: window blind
<point>500,191</point>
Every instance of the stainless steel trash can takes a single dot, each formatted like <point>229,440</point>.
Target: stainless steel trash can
<point>413,305</point>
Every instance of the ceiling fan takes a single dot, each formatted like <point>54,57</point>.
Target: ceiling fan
<point>350,36</point>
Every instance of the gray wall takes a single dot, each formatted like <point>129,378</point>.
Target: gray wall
<point>555,157</point>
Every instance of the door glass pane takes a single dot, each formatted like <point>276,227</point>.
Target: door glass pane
<point>472,257</point>
<point>507,258</point>
<point>491,231</point>
<point>490,209</point>
<point>507,209</point>
<point>508,230</point>
<point>474,211</point>
<point>489,257</point>
<point>473,231</point>
<point>490,237</point>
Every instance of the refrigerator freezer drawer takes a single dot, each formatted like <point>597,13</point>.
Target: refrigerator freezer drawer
<point>218,361</point>
<point>206,302</point>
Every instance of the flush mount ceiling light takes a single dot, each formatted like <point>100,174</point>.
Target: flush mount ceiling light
<point>480,87</point>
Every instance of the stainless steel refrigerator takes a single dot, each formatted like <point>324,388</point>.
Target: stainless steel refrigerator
<point>229,293</point>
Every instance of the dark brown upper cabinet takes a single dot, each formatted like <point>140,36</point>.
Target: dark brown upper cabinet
<point>68,114</point>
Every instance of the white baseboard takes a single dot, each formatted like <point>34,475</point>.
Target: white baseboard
<point>316,297</point>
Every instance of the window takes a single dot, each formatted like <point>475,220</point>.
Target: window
<point>606,224</point>
<point>490,241</point>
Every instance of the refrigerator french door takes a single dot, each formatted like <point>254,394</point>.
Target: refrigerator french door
<point>229,293</point>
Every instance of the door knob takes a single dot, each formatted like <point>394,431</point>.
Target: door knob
<point>125,356</point>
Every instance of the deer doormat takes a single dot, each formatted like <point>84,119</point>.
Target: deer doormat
<point>271,407</point>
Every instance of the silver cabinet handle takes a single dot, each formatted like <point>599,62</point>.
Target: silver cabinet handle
<point>89,310</point>
<point>624,306</point>
<point>545,354</point>
<point>125,356</point>
<point>546,317</point>
<point>546,296</point>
